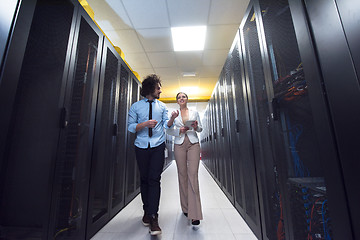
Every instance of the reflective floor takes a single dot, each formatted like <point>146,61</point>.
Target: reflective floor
<point>221,220</point>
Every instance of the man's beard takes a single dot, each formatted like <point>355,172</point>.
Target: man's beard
<point>155,96</point>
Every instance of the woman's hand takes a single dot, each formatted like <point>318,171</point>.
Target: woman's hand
<point>194,125</point>
<point>183,129</point>
<point>174,114</point>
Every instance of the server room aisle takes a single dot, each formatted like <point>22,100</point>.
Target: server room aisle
<point>221,220</point>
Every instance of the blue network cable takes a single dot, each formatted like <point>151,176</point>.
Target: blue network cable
<point>325,225</point>
<point>294,134</point>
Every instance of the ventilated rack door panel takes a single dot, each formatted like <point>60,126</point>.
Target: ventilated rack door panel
<point>73,167</point>
<point>32,138</point>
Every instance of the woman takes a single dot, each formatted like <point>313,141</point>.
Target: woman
<point>187,157</point>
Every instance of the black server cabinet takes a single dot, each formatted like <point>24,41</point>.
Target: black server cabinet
<point>244,172</point>
<point>14,44</point>
<point>293,109</point>
<point>72,172</point>
<point>64,97</point>
<point>132,172</point>
<point>335,37</point>
<point>218,138</point>
<point>32,84</point>
<point>122,142</point>
<point>213,145</point>
<point>104,151</point>
<point>258,111</point>
<point>225,154</point>
<point>301,197</point>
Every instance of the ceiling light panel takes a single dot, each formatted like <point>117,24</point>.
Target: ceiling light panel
<point>188,38</point>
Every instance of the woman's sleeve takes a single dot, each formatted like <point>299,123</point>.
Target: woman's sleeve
<point>173,130</point>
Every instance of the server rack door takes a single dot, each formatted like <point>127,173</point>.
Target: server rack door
<point>32,137</point>
<point>136,90</point>
<point>204,135</point>
<point>258,106</point>
<point>118,189</point>
<point>233,123</point>
<point>214,151</point>
<point>214,146</point>
<point>219,140</point>
<point>303,192</point>
<point>338,61</point>
<point>72,173</point>
<point>131,165</point>
<point>244,165</point>
<point>104,142</point>
<point>225,109</point>
<point>11,66</point>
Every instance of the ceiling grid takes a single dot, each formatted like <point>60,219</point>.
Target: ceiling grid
<point>142,29</point>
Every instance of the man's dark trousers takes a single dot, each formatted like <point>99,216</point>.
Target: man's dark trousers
<point>151,163</point>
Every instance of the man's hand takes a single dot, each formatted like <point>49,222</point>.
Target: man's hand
<point>151,123</point>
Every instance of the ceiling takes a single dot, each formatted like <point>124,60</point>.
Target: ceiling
<point>142,30</point>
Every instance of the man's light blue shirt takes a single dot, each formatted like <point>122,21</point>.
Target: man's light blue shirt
<point>139,112</point>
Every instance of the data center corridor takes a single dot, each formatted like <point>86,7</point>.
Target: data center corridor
<point>221,219</point>
<point>280,139</point>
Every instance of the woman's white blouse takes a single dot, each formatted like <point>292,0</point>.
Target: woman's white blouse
<point>178,123</point>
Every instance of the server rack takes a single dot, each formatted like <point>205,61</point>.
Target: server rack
<point>72,173</point>
<point>288,108</point>
<point>241,144</point>
<point>32,84</point>
<point>334,34</point>
<point>104,154</point>
<point>133,175</point>
<point>118,170</point>
<point>65,93</point>
<point>226,155</point>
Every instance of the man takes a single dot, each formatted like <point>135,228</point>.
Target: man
<point>149,118</point>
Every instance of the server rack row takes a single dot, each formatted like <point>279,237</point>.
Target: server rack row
<point>67,161</point>
<point>273,133</point>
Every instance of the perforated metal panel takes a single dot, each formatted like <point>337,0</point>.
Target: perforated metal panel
<point>104,140</point>
<point>119,167</point>
<point>34,131</point>
<point>258,107</point>
<point>73,168</point>
<point>297,149</point>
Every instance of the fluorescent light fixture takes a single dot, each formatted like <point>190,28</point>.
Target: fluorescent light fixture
<point>190,90</point>
<point>188,38</point>
<point>189,74</point>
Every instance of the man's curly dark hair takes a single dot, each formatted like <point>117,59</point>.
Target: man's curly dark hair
<point>148,85</point>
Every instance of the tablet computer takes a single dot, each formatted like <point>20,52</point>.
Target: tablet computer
<point>189,122</point>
